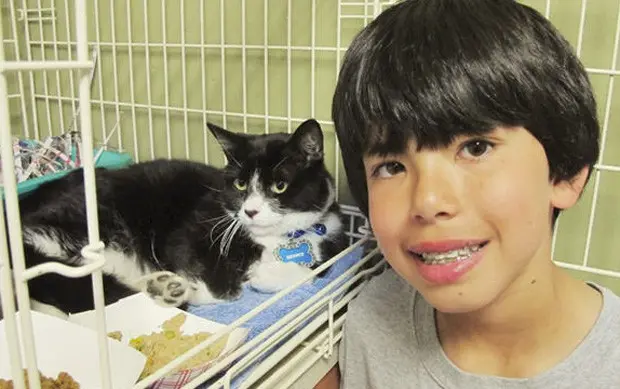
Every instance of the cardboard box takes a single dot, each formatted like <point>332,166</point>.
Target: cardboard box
<point>63,346</point>
<point>71,346</point>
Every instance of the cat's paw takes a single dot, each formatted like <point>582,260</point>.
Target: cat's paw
<point>271,277</point>
<point>167,288</point>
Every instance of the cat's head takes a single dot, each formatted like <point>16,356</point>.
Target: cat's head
<point>276,183</point>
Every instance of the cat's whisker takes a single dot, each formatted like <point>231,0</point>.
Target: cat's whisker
<point>227,238</point>
<point>224,220</point>
<point>233,159</point>
<point>232,235</point>
<point>239,226</point>
<point>206,220</point>
<point>228,229</point>
<point>281,162</point>
<point>218,237</point>
<point>224,234</point>
<point>213,189</point>
<point>227,235</point>
<point>213,219</point>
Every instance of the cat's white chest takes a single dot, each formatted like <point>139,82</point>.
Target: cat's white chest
<point>278,267</point>
<point>286,261</point>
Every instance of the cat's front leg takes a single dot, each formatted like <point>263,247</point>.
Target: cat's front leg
<point>201,295</point>
<point>269,275</point>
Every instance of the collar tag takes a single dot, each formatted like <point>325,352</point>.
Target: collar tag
<point>299,252</point>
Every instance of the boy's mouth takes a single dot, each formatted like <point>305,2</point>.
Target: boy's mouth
<point>441,256</point>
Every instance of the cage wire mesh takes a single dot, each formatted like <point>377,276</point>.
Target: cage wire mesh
<point>164,68</point>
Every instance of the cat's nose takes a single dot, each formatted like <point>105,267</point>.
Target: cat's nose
<point>251,213</point>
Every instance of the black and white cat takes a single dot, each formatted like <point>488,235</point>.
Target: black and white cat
<point>186,232</point>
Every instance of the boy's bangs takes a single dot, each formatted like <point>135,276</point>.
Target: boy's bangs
<point>431,122</point>
<point>431,105</point>
<point>443,83</point>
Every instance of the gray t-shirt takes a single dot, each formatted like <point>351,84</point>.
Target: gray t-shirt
<point>390,342</point>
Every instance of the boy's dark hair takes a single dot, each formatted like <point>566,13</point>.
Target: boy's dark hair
<point>431,70</point>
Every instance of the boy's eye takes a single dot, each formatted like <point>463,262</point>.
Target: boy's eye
<point>388,169</point>
<point>476,148</point>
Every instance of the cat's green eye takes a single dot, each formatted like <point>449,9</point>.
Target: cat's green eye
<point>279,187</point>
<point>240,184</point>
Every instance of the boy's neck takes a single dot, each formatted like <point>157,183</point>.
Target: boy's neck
<point>530,329</point>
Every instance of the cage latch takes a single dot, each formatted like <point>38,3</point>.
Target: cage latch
<point>36,14</point>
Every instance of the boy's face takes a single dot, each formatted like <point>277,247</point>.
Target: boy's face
<point>478,211</point>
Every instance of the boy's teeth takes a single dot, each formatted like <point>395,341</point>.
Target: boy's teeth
<point>450,256</point>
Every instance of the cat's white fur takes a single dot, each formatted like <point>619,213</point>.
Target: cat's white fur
<point>44,243</point>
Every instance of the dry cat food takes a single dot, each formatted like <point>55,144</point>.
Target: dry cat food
<point>162,347</point>
<point>63,381</point>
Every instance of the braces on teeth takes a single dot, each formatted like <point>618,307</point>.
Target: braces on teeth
<point>450,256</point>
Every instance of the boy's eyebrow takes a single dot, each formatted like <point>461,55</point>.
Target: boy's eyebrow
<point>398,143</point>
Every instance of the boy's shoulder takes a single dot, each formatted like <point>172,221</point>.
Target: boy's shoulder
<point>386,301</point>
<point>610,315</point>
<point>384,291</point>
<point>379,337</point>
<point>598,356</point>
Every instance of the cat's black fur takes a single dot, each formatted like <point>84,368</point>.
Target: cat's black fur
<point>166,213</point>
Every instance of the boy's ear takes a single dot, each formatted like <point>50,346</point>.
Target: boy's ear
<point>308,141</point>
<point>231,142</point>
<point>567,192</point>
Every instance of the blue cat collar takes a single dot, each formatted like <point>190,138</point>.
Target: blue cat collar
<point>318,228</point>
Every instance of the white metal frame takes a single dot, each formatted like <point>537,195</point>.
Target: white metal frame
<point>308,344</point>
<point>93,251</point>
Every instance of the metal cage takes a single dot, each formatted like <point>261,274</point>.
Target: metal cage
<point>144,76</point>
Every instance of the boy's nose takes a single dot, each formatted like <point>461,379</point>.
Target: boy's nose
<point>435,194</point>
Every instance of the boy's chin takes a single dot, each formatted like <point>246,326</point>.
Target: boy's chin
<point>459,299</point>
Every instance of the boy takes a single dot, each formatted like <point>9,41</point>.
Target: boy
<point>465,127</point>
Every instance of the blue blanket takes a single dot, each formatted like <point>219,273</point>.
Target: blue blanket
<point>227,313</point>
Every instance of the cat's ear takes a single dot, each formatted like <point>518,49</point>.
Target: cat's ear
<point>231,142</point>
<point>308,140</point>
